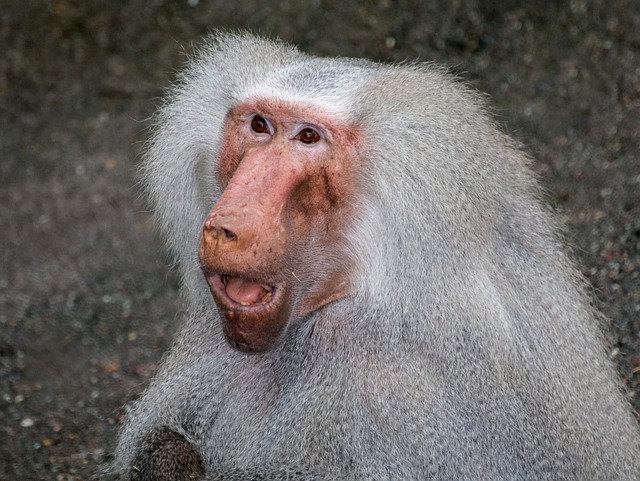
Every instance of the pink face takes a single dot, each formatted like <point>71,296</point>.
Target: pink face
<point>289,174</point>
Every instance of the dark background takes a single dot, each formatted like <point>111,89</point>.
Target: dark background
<point>88,303</point>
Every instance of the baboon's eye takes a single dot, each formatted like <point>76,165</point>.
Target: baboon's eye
<point>260,125</point>
<point>308,136</point>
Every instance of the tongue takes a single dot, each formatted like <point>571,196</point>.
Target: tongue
<point>244,292</point>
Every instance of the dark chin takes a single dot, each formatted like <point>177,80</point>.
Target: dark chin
<point>254,330</point>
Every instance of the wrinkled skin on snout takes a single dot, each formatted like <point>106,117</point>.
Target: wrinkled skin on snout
<point>289,174</point>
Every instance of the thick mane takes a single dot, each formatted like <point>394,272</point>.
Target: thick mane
<point>428,323</point>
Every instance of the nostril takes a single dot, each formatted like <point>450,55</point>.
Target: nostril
<point>229,235</point>
<point>214,228</point>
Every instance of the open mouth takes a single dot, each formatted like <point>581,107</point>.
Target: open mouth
<point>240,293</point>
<point>254,313</point>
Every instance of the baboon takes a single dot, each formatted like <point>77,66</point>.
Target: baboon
<point>374,288</point>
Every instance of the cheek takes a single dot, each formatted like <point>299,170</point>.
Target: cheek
<point>229,158</point>
<point>318,208</point>
<point>308,201</point>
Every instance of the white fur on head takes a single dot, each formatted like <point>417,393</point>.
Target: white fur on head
<point>181,155</point>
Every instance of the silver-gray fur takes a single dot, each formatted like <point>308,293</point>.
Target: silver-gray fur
<point>467,350</point>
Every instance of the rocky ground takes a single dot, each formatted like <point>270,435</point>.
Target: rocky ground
<point>88,303</point>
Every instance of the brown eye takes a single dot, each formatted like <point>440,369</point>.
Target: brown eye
<point>260,125</point>
<point>308,136</point>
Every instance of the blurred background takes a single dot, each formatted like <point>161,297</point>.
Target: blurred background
<point>88,300</point>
